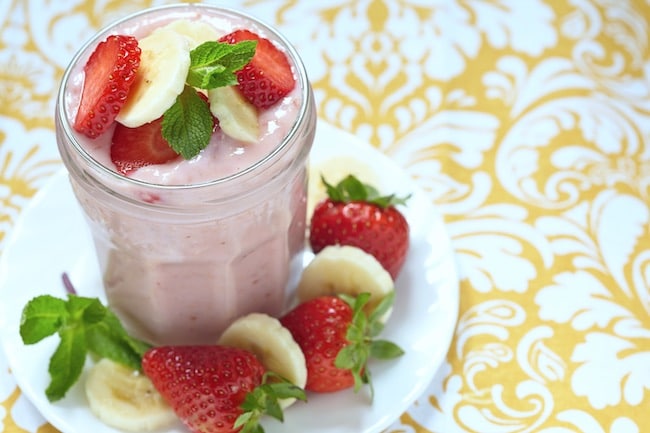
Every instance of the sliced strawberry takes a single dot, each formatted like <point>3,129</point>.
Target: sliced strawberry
<point>132,148</point>
<point>109,74</point>
<point>268,77</point>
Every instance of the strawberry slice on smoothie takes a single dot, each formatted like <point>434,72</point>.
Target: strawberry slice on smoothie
<point>268,77</point>
<point>264,78</point>
<point>109,74</point>
<point>133,148</point>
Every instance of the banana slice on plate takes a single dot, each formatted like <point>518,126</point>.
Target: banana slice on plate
<point>344,269</point>
<point>196,31</point>
<point>334,170</point>
<point>237,117</point>
<point>164,64</point>
<point>126,400</point>
<point>272,344</point>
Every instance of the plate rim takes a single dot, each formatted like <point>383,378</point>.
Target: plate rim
<point>323,130</point>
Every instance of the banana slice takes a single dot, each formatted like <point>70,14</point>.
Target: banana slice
<point>237,117</point>
<point>273,345</point>
<point>334,170</point>
<point>126,400</point>
<point>196,31</point>
<point>164,64</point>
<point>344,269</point>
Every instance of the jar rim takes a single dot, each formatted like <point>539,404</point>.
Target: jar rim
<point>190,8</point>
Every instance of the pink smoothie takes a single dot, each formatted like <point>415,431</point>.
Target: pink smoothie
<point>188,246</point>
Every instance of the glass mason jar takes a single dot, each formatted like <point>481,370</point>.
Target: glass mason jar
<point>180,262</point>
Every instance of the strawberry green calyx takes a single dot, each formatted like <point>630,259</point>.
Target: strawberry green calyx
<point>84,326</point>
<point>361,336</point>
<point>352,189</point>
<point>265,400</point>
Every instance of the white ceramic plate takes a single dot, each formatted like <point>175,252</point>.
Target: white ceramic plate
<point>51,238</point>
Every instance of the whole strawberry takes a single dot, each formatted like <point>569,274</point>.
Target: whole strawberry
<point>337,339</point>
<point>216,389</point>
<point>356,214</point>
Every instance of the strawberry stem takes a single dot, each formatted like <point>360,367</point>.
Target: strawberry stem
<point>360,335</point>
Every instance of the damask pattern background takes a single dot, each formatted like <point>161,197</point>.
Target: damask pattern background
<point>526,122</point>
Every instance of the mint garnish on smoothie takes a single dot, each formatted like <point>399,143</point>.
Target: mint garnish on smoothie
<point>187,125</point>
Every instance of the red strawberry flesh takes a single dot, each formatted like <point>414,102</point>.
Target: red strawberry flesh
<point>355,214</point>
<point>133,148</point>
<point>319,327</point>
<point>109,74</point>
<point>204,385</point>
<point>268,77</point>
<point>381,232</point>
<point>337,338</point>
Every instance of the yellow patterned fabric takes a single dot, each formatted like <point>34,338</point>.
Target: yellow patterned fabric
<point>526,122</point>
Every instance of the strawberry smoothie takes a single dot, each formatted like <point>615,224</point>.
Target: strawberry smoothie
<point>188,245</point>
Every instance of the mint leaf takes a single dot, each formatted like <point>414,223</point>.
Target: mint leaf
<point>106,344</point>
<point>83,310</point>
<point>108,339</point>
<point>213,64</point>
<point>42,317</point>
<point>84,325</point>
<point>67,362</point>
<point>187,125</point>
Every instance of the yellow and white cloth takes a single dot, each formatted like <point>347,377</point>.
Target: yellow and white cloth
<point>527,123</point>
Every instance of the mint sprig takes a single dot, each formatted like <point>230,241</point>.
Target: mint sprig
<point>187,124</point>
<point>85,326</point>
<point>213,64</point>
